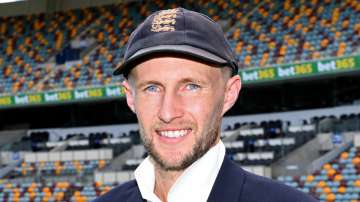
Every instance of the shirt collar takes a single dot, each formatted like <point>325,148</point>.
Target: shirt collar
<point>199,178</point>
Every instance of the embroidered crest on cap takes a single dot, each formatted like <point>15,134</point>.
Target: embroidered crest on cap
<point>164,21</point>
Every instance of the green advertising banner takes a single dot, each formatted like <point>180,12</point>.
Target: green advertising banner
<point>314,68</point>
<point>61,96</point>
<point>248,76</point>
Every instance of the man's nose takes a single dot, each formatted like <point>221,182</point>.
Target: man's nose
<point>171,107</point>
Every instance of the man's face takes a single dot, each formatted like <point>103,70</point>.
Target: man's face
<point>179,104</point>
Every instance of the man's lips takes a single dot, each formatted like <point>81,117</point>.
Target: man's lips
<point>173,133</point>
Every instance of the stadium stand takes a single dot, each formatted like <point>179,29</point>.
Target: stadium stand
<point>254,146</point>
<point>303,31</point>
<point>337,180</point>
<point>40,53</point>
<point>28,42</point>
<point>60,168</point>
<point>75,174</point>
<point>295,31</point>
<point>59,191</point>
<point>96,67</point>
<point>247,144</point>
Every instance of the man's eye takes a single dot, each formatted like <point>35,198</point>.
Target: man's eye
<point>192,86</point>
<point>152,88</point>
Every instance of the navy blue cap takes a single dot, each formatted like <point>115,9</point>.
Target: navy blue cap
<point>178,31</point>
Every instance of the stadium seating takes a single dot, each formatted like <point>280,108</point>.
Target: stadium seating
<point>267,142</point>
<point>337,180</point>
<point>59,191</point>
<point>346,122</point>
<point>35,179</point>
<point>275,32</point>
<point>28,42</point>
<point>96,68</point>
<point>72,180</point>
<point>39,141</point>
<point>58,168</point>
<point>294,31</point>
<point>80,49</point>
<point>262,144</point>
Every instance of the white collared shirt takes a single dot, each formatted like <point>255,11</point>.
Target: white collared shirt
<point>193,185</point>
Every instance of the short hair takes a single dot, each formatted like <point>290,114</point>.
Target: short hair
<point>227,72</point>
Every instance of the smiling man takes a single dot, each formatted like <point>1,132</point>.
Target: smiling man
<point>181,77</point>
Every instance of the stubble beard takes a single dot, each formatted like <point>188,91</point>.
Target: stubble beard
<point>202,144</point>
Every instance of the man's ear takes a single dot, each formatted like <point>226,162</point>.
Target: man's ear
<point>129,92</point>
<point>233,87</point>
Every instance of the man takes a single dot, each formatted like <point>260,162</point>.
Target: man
<point>181,77</point>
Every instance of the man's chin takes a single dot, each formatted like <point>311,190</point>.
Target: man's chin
<point>170,164</point>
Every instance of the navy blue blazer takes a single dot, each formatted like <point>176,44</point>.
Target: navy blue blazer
<point>232,184</point>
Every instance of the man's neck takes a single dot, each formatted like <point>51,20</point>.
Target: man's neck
<point>164,181</point>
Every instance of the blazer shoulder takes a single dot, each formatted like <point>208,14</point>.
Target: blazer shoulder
<point>264,189</point>
<point>124,192</point>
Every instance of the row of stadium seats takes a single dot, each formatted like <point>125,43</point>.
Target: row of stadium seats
<point>346,122</point>
<point>242,147</point>
<point>275,128</point>
<point>58,168</point>
<point>51,192</point>
<point>40,141</point>
<point>259,145</point>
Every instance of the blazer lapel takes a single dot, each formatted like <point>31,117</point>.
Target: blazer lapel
<point>136,196</point>
<point>228,184</point>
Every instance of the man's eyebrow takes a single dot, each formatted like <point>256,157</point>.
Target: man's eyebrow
<point>192,80</point>
<point>142,84</point>
<point>145,83</point>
